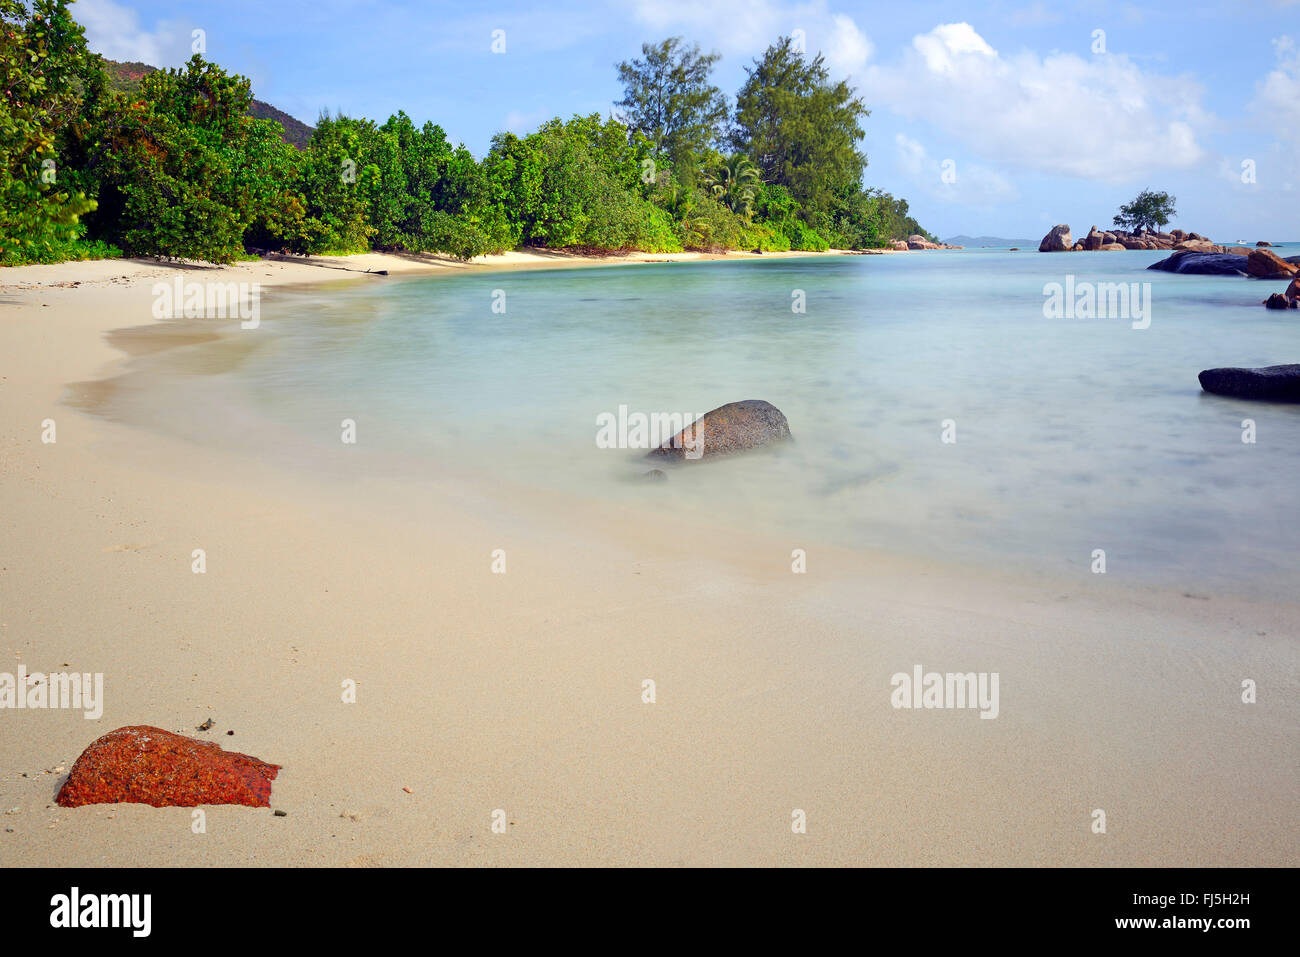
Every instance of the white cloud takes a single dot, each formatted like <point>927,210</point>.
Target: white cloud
<point>949,44</point>
<point>1101,118</point>
<point>1279,91</point>
<point>115,32</point>
<point>946,180</point>
<point>848,48</point>
<point>1277,108</point>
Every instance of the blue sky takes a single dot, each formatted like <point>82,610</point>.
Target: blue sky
<point>1034,115</point>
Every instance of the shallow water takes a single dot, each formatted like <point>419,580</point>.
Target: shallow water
<point>1071,434</point>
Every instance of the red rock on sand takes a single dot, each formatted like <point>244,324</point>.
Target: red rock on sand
<point>144,765</point>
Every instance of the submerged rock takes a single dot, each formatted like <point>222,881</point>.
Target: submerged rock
<point>1270,383</point>
<point>145,765</point>
<point>734,427</point>
<point>1204,264</point>
<point>1278,301</point>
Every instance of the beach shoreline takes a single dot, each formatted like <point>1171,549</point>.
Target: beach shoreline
<point>278,269</point>
<point>524,691</point>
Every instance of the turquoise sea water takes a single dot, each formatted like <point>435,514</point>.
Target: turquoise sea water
<point>1071,434</point>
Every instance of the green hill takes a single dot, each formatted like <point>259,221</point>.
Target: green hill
<point>127,77</point>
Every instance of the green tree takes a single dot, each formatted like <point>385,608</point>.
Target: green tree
<point>668,99</point>
<point>575,184</point>
<point>734,182</point>
<point>1150,210</point>
<point>188,173</point>
<point>44,69</point>
<point>337,214</point>
<point>800,129</point>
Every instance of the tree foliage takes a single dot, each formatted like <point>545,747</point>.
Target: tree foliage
<point>187,173</point>
<point>1149,211</point>
<point>734,182</point>
<point>576,184</point>
<point>172,164</point>
<point>801,130</point>
<point>668,99</point>
<point>44,69</point>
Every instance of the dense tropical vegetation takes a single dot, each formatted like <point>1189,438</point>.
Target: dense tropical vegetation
<point>100,159</point>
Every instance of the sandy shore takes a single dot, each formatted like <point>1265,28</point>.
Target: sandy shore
<point>284,270</point>
<point>523,691</point>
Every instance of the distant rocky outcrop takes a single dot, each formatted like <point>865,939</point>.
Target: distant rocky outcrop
<point>1199,246</point>
<point>1102,240</point>
<point>1059,240</point>
<point>734,427</point>
<point>1270,383</point>
<point>916,241</point>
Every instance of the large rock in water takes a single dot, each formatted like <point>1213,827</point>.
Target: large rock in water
<point>734,427</point>
<point>1271,383</point>
<point>144,765</point>
<point>1206,264</point>
<point>1263,264</point>
<point>1057,241</point>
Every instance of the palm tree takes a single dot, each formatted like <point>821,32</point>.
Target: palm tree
<point>735,184</point>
